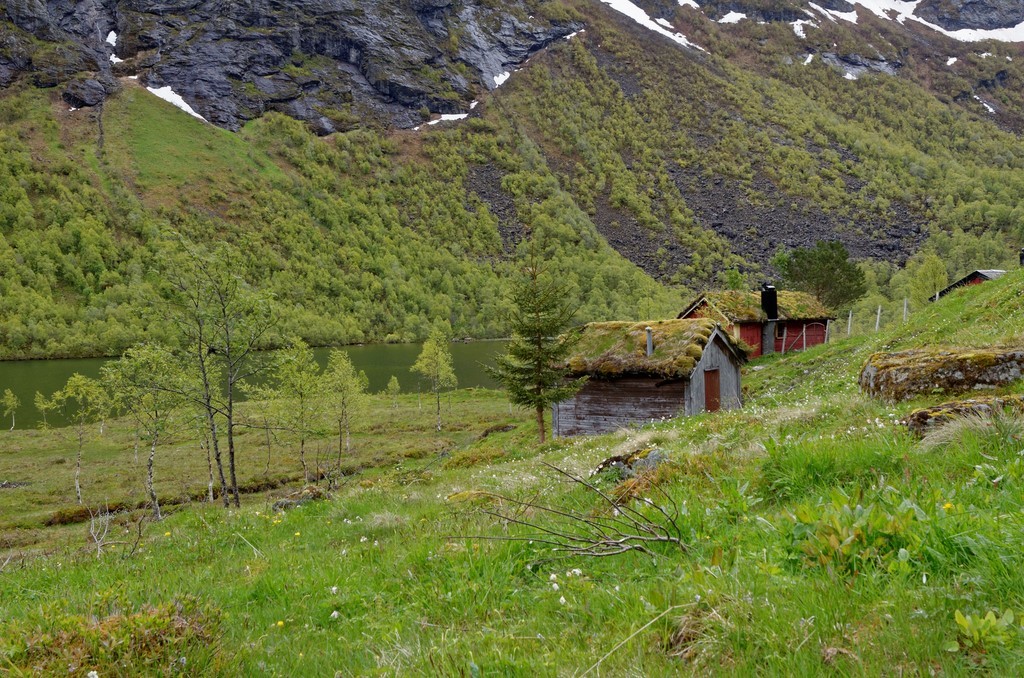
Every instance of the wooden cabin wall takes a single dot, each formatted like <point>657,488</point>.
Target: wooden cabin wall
<point>605,405</point>
<point>716,356</point>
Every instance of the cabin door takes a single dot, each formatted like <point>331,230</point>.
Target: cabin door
<point>712,391</point>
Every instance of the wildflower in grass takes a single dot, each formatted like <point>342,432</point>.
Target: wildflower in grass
<point>362,540</point>
<point>554,586</point>
<point>167,534</point>
<point>298,534</point>
<point>553,577</point>
<point>93,674</point>
<point>280,624</point>
<point>334,590</point>
<point>947,506</point>
<point>335,614</point>
<point>562,600</point>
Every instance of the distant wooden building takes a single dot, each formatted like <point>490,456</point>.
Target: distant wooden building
<point>642,372</point>
<point>972,278</point>
<point>768,321</point>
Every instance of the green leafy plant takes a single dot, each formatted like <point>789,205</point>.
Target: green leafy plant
<point>979,634</point>
<point>848,536</point>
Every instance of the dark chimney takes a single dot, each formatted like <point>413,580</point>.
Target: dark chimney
<point>770,301</point>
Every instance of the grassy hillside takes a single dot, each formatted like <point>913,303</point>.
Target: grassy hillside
<point>817,536</point>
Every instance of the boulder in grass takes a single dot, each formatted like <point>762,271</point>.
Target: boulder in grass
<point>927,419</point>
<point>908,374</point>
<point>303,496</point>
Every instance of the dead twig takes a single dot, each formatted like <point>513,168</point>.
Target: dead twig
<point>574,532</point>
<point>138,537</point>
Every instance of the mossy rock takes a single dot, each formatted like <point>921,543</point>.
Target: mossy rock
<point>923,420</point>
<point>906,374</point>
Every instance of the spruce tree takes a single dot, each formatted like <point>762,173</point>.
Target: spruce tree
<point>825,271</point>
<point>532,369</point>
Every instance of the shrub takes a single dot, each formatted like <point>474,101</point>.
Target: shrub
<point>847,536</point>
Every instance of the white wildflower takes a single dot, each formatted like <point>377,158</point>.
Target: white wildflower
<point>562,600</point>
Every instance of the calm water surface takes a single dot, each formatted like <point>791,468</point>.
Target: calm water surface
<point>379,361</point>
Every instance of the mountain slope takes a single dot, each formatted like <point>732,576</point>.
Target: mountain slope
<point>688,156</point>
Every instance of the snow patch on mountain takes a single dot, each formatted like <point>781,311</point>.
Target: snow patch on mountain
<point>449,117</point>
<point>902,11</point>
<point>798,27</point>
<point>641,17</point>
<point>173,98</point>
<point>985,104</point>
<point>732,18</point>
<point>833,15</point>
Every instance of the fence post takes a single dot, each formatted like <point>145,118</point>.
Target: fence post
<point>785,332</point>
<point>828,330</point>
<point>804,337</point>
<point>904,309</point>
<point>849,323</point>
<point>878,318</point>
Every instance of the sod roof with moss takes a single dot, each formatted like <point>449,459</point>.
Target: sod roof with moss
<point>617,349</point>
<point>737,306</point>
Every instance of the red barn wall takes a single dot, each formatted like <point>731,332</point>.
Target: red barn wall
<point>794,330</point>
<point>750,334</point>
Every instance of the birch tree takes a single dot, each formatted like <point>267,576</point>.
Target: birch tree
<point>296,399</point>
<point>435,364</point>
<point>10,403</point>
<point>83,403</point>
<point>223,323</point>
<point>148,385</point>
<point>345,391</point>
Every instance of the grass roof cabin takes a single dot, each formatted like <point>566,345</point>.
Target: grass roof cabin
<point>767,321</point>
<point>636,376</point>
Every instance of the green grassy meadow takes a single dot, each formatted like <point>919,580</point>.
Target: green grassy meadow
<point>818,538</point>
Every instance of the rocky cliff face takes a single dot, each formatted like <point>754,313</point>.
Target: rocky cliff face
<point>329,62</point>
<point>985,14</point>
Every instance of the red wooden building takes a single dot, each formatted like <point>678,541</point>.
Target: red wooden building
<point>767,321</point>
<point>973,278</point>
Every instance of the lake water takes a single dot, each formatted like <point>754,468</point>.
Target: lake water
<point>379,361</point>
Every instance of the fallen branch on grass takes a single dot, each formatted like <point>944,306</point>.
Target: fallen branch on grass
<point>619,529</point>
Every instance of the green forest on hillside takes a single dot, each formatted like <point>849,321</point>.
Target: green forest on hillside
<point>377,235</point>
